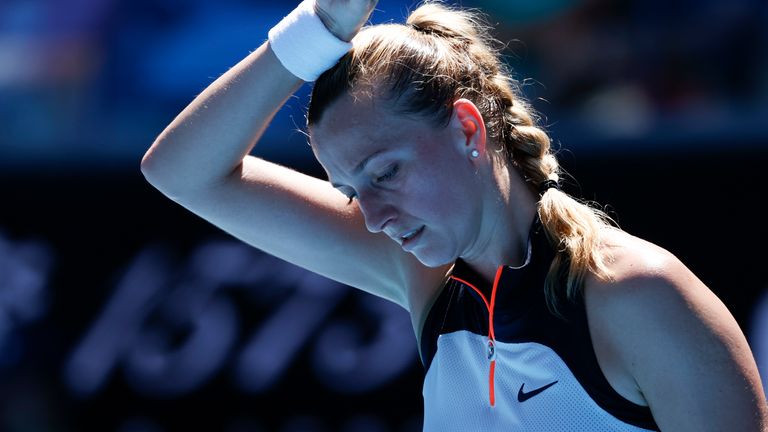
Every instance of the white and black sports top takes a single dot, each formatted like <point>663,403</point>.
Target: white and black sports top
<point>496,359</point>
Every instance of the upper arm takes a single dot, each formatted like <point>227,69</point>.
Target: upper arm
<point>305,221</point>
<point>682,346</point>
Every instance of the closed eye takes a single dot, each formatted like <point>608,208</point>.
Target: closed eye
<point>388,175</point>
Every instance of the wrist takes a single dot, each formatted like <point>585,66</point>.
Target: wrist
<point>304,44</point>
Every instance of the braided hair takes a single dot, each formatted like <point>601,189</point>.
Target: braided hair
<point>442,54</point>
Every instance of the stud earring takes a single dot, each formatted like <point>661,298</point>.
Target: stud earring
<point>475,153</point>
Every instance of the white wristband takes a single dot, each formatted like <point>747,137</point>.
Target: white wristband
<point>304,45</point>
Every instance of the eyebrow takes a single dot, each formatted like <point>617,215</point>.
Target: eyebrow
<point>360,166</point>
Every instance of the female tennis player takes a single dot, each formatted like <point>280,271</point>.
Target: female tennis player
<point>531,309</point>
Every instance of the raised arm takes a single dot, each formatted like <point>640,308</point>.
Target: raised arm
<point>205,143</point>
<point>201,161</point>
<point>211,136</point>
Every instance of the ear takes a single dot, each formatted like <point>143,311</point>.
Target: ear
<point>468,122</point>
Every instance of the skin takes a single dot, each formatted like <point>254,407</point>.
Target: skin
<point>425,177</point>
<point>661,337</point>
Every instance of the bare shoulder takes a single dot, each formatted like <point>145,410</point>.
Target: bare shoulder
<point>643,271</point>
<point>661,327</point>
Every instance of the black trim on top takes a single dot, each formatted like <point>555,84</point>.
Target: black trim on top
<point>521,315</point>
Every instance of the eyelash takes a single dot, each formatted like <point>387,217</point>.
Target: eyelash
<point>387,176</point>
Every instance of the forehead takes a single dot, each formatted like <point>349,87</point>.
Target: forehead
<point>353,125</point>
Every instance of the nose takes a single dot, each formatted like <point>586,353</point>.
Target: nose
<point>376,212</point>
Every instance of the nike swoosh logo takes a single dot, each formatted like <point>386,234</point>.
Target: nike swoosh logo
<point>523,396</point>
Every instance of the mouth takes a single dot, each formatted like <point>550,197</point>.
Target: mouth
<point>410,236</point>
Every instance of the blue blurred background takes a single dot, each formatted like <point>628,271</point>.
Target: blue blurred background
<point>121,311</point>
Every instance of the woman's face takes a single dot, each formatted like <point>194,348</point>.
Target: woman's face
<point>414,182</point>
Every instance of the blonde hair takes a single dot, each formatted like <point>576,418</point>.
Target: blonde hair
<point>439,55</point>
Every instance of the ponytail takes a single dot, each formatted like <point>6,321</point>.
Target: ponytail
<point>442,54</point>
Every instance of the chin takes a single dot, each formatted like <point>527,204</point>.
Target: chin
<point>433,260</point>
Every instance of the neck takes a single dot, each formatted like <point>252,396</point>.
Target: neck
<point>509,210</point>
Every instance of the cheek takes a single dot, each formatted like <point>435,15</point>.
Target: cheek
<point>433,195</point>
<point>438,184</point>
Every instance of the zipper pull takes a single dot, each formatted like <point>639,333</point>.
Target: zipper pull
<point>491,352</point>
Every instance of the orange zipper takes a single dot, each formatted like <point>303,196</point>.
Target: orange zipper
<point>491,345</point>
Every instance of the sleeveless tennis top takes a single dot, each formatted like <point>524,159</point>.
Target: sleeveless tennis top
<point>497,359</point>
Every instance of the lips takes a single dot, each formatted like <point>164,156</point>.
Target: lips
<point>409,234</point>
<point>407,237</point>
